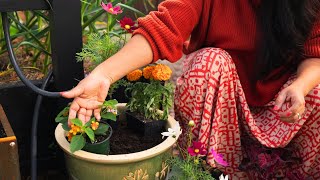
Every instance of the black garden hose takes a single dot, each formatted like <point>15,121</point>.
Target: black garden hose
<point>34,128</point>
<point>40,91</point>
<point>5,23</point>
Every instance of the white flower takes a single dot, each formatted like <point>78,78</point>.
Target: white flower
<point>223,177</point>
<point>172,132</point>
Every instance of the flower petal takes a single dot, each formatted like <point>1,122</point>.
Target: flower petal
<point>191,152</point>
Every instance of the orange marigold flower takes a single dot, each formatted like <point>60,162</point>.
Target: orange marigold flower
<point>147,72</point>
<point>74,129</point>
<point>94,125</point>
<point>134,75</point>
<point>161,72</point>
<point>70,135</point>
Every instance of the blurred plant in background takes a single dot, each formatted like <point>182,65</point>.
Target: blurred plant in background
<point>30,30</point>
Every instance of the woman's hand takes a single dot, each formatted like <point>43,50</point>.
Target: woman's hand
<point>294,95</point>
<point>88,96</point>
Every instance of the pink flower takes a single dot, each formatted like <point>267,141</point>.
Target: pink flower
<point>218,158</point>
<point>196,149</point>
<point>110,9</point>
<point>127,24</point>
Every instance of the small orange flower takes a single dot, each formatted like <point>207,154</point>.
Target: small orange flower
<point>161,72</point>
<point>147,72</point>
<point>70,135</point>
<point>74,129</point>
<point>94,125</point>
<point>134,75</point>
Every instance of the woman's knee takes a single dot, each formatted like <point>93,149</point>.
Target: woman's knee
<point>211,59</point>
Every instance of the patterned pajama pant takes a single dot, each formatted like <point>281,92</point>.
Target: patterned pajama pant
<point>209,92</point>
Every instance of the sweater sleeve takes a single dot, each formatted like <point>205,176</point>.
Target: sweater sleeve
<point>168,28</point>
<point>312,45</point>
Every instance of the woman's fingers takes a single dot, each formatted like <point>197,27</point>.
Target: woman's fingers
<point>88,115</point>
<point>82,115</point>
<point>75,92</point>
<point>280,100</point>
<point>74,108</point>
<point>96,113</point>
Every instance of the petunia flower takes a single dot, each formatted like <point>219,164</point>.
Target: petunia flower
<point>218,158</point>
<point>197,149</point>
<point>221,177</point>
<point>128,24</point>
<point>172,132</point>
<point>110,9</point>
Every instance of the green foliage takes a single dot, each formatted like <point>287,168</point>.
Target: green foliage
<point>116,85</point>
<point>187,169</point>
<point>102,129</point>
<point>77,143</point>
<point>78,131</point>
<point>99,48</point>
<point>149,98</point>
<point>33,26</point>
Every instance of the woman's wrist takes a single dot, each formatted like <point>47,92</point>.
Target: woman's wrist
<point>301,86</point>
<point>99,72</point>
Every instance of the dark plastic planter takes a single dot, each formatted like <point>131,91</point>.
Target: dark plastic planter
<point>18,103</point>
<point>148,128</point>
<point>101,147</point>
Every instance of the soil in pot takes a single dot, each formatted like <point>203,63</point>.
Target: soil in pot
<point>125,140</point>
<point>2,132</point>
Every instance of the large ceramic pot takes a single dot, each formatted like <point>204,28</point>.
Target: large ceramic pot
<point>83,165</point>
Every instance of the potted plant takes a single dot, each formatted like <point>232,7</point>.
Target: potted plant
<point>148,96</point>
<point>92,136</point>
<point>81,164</point>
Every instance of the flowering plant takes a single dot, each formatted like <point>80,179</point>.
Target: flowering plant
<point>191,163</point>
<point>101,46</point>
<point>152,93</point>
<point>78,134</point>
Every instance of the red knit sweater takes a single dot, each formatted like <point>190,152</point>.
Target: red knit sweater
<point>227,24</point>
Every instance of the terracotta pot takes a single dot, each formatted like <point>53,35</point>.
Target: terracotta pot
<point>83,165</point>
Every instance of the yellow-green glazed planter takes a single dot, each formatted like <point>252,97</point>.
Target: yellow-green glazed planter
<point>148,164</point>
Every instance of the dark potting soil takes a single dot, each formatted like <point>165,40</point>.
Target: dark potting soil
<point>2,132</point>
<point>125,140</point>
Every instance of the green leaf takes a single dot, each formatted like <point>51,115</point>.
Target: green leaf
<point>102,129</point>
<point>110,116</point>
<point>77,122</point>
<point>61,119</point>
<point>132,9</point>
<point>63,112</point>
<point>111,103</point>
<point>77,143</point>
<point>88,124</point>
<point>90,133</point>
<point>65,126</point>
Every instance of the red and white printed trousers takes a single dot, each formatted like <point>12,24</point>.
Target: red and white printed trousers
<point>209,92</point>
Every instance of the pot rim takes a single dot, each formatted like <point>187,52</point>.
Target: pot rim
<point>116,159</point>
